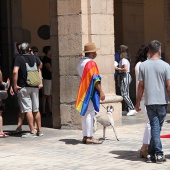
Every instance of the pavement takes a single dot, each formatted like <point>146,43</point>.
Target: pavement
<point>61,149</point>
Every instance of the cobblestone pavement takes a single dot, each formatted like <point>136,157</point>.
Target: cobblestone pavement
<point>63,150</point>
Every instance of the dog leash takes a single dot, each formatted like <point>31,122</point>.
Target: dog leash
<point>103,106</point>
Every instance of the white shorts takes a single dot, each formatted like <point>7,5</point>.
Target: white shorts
<point>47,87</point>
<point>28,98</point>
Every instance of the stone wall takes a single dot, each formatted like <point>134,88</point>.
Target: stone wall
<point>74,23</point>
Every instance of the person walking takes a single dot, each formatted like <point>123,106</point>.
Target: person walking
<point>125,79</point>
<point>141,57</point>
<point>90,92</point>
<point>154,80</point>
<point>27,95</point>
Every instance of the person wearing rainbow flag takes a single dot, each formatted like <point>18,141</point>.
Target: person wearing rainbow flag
<point>90,92</point>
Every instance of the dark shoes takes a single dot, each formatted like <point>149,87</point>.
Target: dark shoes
<point>155,159</point>
<point>160,159</point>
<point>151,159</point>
<point>91,141</point>
<point>84,140</point>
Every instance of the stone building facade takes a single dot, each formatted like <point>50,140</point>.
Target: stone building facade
<point>107,23</point>
<point>80,22</point>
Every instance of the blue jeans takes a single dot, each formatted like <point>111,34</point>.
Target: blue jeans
<point>156,115</point>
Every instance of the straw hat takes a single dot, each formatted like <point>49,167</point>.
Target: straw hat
<point>90,47</point>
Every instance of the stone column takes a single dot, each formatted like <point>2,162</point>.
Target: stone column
<point>55,65</point>
<point>75,23</point>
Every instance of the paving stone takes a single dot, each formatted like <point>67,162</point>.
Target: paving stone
<point>63,150</point>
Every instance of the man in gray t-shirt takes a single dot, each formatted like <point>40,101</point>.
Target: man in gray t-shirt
<point>154,81</point>
<point>155,74</point>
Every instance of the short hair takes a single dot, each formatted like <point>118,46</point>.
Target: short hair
<point>34,48</point>
<point>17,46</point>
<point>25,48</point>
<point>46,49</point>
<point>154,46</point>
<point>18,43</point>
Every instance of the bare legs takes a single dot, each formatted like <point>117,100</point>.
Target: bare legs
<point>37,118</point>
<point>2,134</point>
<point>30,120</point>
<point>1,122</point>
<point>20,122</point>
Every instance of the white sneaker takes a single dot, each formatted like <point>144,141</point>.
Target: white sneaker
<point>29,135</point>
<point>131,113</point>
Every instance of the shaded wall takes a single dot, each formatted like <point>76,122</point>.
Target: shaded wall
<point>129,30</point>
<point>35,13</point>
<point>138,22</point>
<point>154,21</point>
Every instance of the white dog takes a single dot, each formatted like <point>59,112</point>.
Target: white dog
<point>105,119</point>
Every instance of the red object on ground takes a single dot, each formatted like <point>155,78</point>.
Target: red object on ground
<point>165,136</point>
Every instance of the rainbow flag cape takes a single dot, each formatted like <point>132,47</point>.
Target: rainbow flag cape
<point>86,88</point>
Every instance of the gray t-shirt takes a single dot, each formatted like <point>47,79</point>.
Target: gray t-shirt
<point>155,74</point>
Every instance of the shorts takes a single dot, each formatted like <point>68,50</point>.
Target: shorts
<point>28,98</point>
<point>47,87</point>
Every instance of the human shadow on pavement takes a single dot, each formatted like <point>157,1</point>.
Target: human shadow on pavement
<point>167,156</point>
<point>127,155</point>
<point>167,121</point>
<point>71,141</point>
<point>13,133</point>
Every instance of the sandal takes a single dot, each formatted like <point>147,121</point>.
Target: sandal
<point>93,141</point>
<point>4,135</point>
